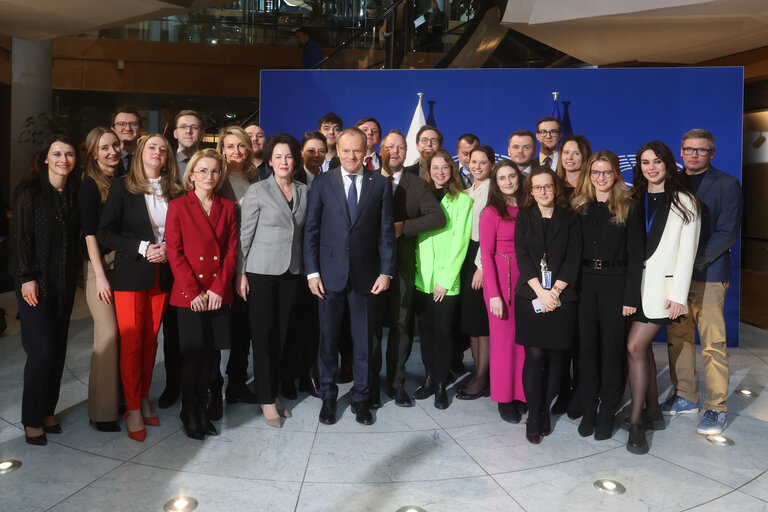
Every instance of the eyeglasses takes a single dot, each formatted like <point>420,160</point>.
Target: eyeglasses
<point>426,140</point>
<point>538,189</point>
<point>185,127</point>
<point>123,124</point>
<point>604,174</point>
<point>548,133</point>
<point>698,151</point>
<point>215,173</point>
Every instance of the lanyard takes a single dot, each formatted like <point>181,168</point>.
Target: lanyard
<point>649,222</point>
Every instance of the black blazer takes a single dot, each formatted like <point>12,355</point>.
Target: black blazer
<point>607,241</point>
<point>562,245</point>
<point>124,225</point>
<point>415,205</point>
<point>414,169</point>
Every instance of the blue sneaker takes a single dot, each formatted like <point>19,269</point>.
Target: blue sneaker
<point>713,422</point>
<point>678,405</point>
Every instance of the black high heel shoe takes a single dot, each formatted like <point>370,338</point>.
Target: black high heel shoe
<point>190,419</point>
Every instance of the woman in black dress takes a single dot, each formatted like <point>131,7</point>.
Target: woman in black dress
<point>548,248</point>
<point>45,233</point>
<point>612,265</point>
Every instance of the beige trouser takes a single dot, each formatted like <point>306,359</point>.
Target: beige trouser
<point>105,372</point>
<point>705,305</point>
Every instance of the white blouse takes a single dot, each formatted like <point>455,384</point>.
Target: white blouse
<point>157,207</point>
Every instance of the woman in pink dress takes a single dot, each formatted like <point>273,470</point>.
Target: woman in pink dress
<point>500,273</point>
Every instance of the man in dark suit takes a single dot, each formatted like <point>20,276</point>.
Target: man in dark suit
<point>721,207</point>
<point>349,258</point>
<point>126,122</point>
<point>372,130</point>
<point>428,140</point>
<point>330,125</point>
<point>464,147</point>
<point>548,133</point>
<point>415,211</point>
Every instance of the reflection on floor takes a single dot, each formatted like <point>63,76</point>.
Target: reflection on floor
<point>461,459</point>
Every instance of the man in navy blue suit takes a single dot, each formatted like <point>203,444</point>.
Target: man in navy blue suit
<point>721,206</point>
<point>349,258</point>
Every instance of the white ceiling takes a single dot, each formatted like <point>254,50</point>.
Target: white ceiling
<point>665,31</point>
<point>45,19</point>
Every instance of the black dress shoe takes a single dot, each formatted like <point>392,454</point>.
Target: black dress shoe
<point>40,440</point>
<point>216,405</point>
<point>168,397</point>
<point>401,396</point>
<point>240,392</point>
<point>441,397</point>
<point>425,390</point>
<point>206,425</point>
<point>374,396</point>
<point>649,423</point>
<point>288,390</point>
<point>307,385</point>
<point>362,413</point>
<point>328,412</point>
<point>52,429</point>
<point>604,424</point>
<point>106,426</point>
<point>637,443</point>
<point>509,412</point>
<point>190,420</point>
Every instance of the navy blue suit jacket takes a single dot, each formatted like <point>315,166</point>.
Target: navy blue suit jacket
<point>345,250</point>
<point>721,209</point>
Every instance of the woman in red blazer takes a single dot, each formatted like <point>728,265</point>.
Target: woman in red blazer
<point>201,239</point>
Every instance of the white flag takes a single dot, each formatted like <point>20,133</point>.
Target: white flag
<point>417,122</point>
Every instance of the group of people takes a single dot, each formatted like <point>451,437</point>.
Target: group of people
<point>553,271</point>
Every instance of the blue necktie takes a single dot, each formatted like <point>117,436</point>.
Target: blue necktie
<point>352,198</point>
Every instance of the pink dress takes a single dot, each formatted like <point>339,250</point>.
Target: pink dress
<point>497,254</point>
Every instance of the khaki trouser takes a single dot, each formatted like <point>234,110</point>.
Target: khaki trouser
<point>705,305</point>
<point>103,383</point>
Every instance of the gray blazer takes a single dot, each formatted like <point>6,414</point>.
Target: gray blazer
<point>271,233</point>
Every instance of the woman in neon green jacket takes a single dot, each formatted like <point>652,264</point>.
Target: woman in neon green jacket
<point>439,257</point>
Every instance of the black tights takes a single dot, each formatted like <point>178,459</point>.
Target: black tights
<point>195,372</point>
<point>642,370</point>
<point>542,371</point>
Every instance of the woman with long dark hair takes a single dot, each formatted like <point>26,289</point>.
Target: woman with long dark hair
<point>548,248</point>
<point>575,150</point>
<point>439,258</point>
<point>500,273</point>
<point>44,257</point>
<point>612,264</point>
<point>672,223</point>
<point>102,165</point>
<point>133,224</point>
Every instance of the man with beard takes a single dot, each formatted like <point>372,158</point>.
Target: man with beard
<point>258,138</point>
<point>126,121</point>
<point>188,132</point>
<point>522,146</point>
<point>428,140</point>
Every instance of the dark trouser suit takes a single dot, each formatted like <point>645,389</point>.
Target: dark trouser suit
<point>44,338</point>
<point>361,314</point>
<point>271,303</point>
<point>198,333</point>
<point>602,341</point>
<point>437,328</point>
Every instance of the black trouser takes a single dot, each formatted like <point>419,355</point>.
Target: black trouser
<point>602,342</point>
<point>397,305</point>
<point>307,327</point>
<point>541,379</point>
<point>44,339</point>
<point>437,330</point>
<point>197,332</point>
<point>237,366</point>
<point>270,305</point>
<point>172,359</point>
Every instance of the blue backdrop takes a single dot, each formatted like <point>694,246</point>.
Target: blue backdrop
<point>616,109</point>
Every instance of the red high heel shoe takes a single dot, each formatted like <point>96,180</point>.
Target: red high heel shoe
<point>136,435</point>
<point>152,421</point>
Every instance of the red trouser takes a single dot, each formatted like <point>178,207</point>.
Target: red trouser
<point>139,315</point>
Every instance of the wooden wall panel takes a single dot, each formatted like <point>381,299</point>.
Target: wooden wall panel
<point>755,63</point>
<point>5,59</point>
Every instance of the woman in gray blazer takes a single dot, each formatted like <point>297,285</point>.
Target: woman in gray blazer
<point>270,266</point>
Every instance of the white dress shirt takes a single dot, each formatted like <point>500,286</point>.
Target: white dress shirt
<point>157,207</point>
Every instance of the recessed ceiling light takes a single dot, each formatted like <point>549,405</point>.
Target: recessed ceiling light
<point>180,504</point>
<point>609,486</point>
<point>720,440</point>
<point>748,393</point>
<point>411,508</point>
<point>9,465</point>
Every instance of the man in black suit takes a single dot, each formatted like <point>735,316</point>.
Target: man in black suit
<point>428,140</point>
<point>126,121</point>
<point>522,146</point>
<point>330,125</point>
<point>548,133</point>
<point>372,130</point>
<point>464,147</point>
<point>415,211</point>
<point>349,258</point>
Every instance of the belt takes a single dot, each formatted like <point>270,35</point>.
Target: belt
<point>595,264</point>
<point>509,274</point>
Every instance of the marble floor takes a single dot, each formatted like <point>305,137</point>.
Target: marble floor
<point>460,459</point>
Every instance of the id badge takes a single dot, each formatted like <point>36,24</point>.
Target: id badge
<point>546,279</point>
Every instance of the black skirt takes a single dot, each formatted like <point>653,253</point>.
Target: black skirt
<point>474,315</point>
<point>555,330</point>
<point>639,316</point>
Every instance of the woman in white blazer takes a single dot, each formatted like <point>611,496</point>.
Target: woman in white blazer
<point>270,266</point>
<point>672,223</point>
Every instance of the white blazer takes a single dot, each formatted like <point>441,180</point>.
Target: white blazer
<point>667,272</point>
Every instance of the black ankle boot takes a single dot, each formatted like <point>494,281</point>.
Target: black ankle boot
<point>604,424</point>
<point>216,405</point>
<point>206,424</point>
<point>441,397</point>
<point>190,419</point>
<point>426,389</point>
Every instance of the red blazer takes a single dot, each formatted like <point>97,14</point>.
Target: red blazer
<point>201,250</point>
